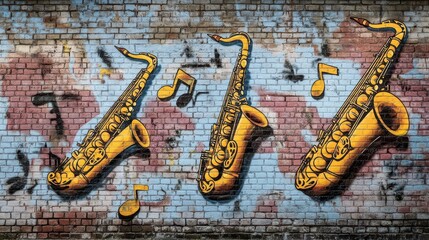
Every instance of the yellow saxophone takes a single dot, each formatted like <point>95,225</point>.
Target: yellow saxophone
<point>116,132</point>
<point>220,166</point>
<point>370,112</point>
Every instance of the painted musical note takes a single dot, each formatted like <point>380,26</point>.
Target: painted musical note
<point>168,92</point>
<point>49,97</point>
<point>318,87</point>
<point>130,208</point>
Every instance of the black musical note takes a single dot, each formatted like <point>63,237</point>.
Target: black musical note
<point>168,92</point>
<point>216,59</point>
<point>45,98</point>
<point>19,182</point>
<point>55,158</point>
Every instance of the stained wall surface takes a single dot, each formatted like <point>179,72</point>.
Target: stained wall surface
<point>305,70</point>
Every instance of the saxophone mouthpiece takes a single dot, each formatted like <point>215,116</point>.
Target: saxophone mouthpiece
<point>122,50</point>
<point>214,37</point>
<point>361,21</point>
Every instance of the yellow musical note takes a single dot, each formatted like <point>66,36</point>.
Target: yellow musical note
<point>130,208</point>
<point>318,87</point>
<point>167,92</point>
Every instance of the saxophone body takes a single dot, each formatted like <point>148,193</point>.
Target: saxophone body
<point>221,165</point>
<point>369,113</point>
<point>116,132</point>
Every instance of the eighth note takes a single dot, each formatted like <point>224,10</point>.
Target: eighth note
<point>49,97</point>
<point>168,92</point>
<point>318,87</point>
<point>129,209</point>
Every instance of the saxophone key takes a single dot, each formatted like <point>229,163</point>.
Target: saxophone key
<point>362,100</point>
<point>243,63</point>
<point>226,130</point>
<point>99,154</point>
<point>105,136</point>
<point>352,114</point>
<point>89,151</point>
<point>214,173</point>
<point>370,90</point>
<point>390,53</point>
<point>78,164</point>
<point>232,149</point>
<point>236,95</point>
<point>219,158</point>
<point>129,102</point>
<point>318,164</point>
<point>223,142</point>
<point>345,126</point>
<point>241,73</point>
<point>374,79</point>
<point>342,148</point>
<point>238,86</point>
<point>117,118</point>
<point>136,92</point>
<point>229,118</point>
<point>98,143</point>
<point>124,111</point>
<point>113,126</point>
<point>336,135</point>
<point>328,149</point>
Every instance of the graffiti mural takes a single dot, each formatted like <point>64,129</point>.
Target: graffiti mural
<point>221,166</point>
<point>309,80</point>
<point>369,113</point>
<point>117,132</point>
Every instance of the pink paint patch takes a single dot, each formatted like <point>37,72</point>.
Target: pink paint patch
<point>292,115</point>
<point>26,76</point>
<point>165,124</point>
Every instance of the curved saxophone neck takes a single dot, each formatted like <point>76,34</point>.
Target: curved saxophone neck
<point>396,26</point>
<point>240,36</point>
<point>148,57</point>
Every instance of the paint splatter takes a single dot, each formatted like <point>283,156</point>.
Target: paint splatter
<point>165,123</point>
<point>19,182</point>
<point>107,59</point>
<point>216,60</point>
<point>289,73</point>
<point>187,52</point>
<point>195,65</point>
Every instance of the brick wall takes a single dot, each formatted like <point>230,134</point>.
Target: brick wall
<point>61,73</point>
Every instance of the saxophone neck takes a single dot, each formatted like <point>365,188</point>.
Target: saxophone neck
<point>396,26</point>
<point>148,57</point>
<point>240,36</point>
